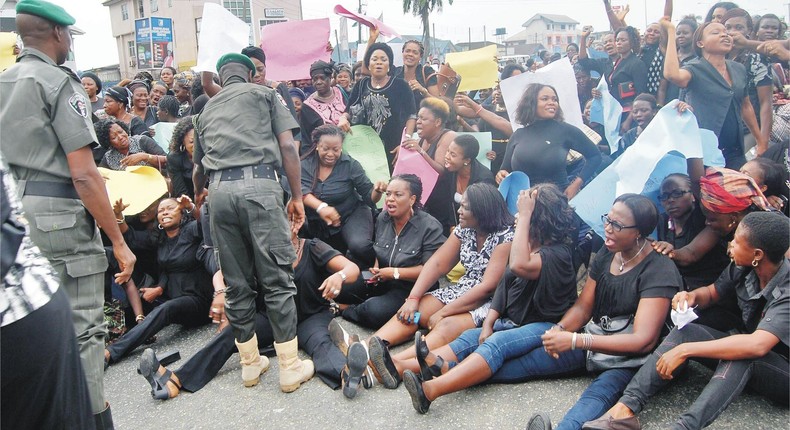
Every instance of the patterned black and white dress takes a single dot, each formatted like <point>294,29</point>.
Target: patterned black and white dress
<point>475,264</point>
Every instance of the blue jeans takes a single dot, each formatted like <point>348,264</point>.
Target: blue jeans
<point>517,355</point>
<point>768,376</point>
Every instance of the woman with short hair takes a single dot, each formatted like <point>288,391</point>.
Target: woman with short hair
<point>123,150</point>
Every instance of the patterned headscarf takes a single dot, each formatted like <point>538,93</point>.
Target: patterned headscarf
<point>727,191</point>
<point>119,94</point>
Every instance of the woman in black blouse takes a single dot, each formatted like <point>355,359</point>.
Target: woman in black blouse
<point>628,77</point>
<point>462,170</point>
<point>179,159</point>
<point>416,74</point>
<point>432,129</point>
<point>338,196</point>
<point>116,105</point>
<point>382,102</point>
<point>123,150</point>
<point>406,237</point>
<point>540,148</point>
<point>184,281</point>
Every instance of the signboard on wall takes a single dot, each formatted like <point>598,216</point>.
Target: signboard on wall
<point>154,40</point>
<point>142,39</point>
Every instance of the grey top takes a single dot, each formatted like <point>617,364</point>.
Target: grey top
<point>55,111</point>
<point>710,95</point>
<point>239,127</point>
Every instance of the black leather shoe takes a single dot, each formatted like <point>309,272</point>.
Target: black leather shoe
<point>421,349</point>
<point>382,362</point>
<point>413,384</point>
<point>539,421</point>
<point>356,362</point>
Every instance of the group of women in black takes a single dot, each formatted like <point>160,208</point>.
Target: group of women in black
<point>376,254</point>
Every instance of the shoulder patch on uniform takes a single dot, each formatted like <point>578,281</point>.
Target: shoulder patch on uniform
<point>79,104</point>
<point>282,100</point>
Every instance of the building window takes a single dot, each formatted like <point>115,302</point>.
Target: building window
<point>558,40</point>
<point>239,8</point>
<point>265,22</point>
<point>548,26</point>
<point>562,27</point>
<point>140,10</point>
<point>549,40</point>
<point>169,3</point>
<point>125,12</point>
<point>570,39</point>
<point>154,5</point>
<point>132,53</point>
<point>198,21</point>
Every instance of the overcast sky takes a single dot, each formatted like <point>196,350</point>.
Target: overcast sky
<point>98,48</point>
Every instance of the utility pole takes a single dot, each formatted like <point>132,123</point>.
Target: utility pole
<point>470,37</point>
<point>484,36</point>
<point>359,27</point>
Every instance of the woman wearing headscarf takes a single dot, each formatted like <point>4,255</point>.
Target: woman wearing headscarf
<point>297,97</point>
<point>92,86</point>
<point>325,106</point>
<point>382,102</point>
<point>140,91</point>
<point>116,105</point>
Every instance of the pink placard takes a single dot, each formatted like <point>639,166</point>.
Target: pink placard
<point>292,46</point>
<point>384,29</point>
<point>413,162</point>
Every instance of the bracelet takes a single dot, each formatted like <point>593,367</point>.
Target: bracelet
<point>149,158</point>
<point>413,298</point>
<point>562,327</point>
<point>218,292</point>
<point>342,275</point>
<point>121,221</point>
<point>587,341</point>
<point>321,206</point>
<point>139,318</point>
<point>573,341</point>
<point>480,108</point>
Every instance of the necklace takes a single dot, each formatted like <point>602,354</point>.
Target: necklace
<point>378,86</point>
<point>326,99</point>
<point>298,248</point>
<point>623,263</point>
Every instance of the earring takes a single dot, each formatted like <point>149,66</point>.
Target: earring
<point>160,226</point>
<point>466,164</point>
<point>755,262</point>
<point>411,209</point>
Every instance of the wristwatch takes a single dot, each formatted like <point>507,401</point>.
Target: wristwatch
<point>321,206</point>
<point>396,274</point>
<point>342,275</point>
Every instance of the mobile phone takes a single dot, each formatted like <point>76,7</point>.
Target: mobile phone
<point>416,318</point>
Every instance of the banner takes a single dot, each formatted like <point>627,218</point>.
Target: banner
<point>162,41</point>
<point>478,68</point>
<point>142,39</point>
<point>7,44</point>
<point>289,57</point>
<point>661,149</point>
<point>138,186</point>
<point>163,132</point>
<point>607,112</point>
<point>384,29</point>
<point>511,186</point>
<point>220,33</point>
<point>559,75</point>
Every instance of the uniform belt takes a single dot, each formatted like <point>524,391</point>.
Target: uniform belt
<point>265,171</point>
<point>499,140</point>
<point>63,190</point>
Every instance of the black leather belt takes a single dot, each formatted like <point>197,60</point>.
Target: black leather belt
<point>265,171</point>
<point>63,190</point>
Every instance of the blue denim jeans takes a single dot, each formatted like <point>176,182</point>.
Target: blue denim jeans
<point>517,355</point>
<point>769,376</point>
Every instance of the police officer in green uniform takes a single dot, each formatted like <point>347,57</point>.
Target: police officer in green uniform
<point>46,140</point>
<point>243,136</point>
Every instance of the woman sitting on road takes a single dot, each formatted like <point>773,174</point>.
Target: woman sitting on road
<point>758,279</point>
<point>123,150</point>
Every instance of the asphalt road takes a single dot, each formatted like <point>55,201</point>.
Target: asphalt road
<point>224,403</point>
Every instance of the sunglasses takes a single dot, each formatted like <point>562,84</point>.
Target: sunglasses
<point>676,194</point>
<point>616,226</point>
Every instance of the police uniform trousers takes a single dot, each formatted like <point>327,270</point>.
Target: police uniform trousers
<point>68,236</point>
<point>251,233</point>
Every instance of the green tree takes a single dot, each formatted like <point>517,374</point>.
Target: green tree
<point>423,8</point>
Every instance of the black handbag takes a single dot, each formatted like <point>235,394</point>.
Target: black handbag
<point>599,361</point>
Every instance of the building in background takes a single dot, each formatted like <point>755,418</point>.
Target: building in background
<point>554,32</point>
<point>439,47</point>
<point>466,46</point>
<point>151,34</point>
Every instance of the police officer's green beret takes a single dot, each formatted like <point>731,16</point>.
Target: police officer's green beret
<point>236,58</point>
<point>46,10</point>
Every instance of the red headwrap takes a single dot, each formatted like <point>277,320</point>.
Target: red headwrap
<point>727,191</point>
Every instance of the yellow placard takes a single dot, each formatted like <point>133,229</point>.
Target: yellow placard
<point>478,68</point>
<point>138,186</point>
<point>7,43</point>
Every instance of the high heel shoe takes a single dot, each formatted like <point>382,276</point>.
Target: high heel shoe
<point>149,365</point>
<point>421,350</point>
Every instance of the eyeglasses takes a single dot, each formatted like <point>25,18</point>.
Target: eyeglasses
<point>676,194</point>
<point>616,226</point>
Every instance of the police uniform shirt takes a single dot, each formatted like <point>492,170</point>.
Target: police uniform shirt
<point>44,115</point>
<point>232,132</point>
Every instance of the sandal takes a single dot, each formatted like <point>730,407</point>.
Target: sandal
<point>334,309</point>
<point>413,384</point>
<point>149,365</point>
<point>382,363</point>
<point>356,362</point>
<point>421,350</point>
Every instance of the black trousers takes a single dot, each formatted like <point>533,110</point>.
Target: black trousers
<point>380,305</point>
<point>43,384</point>
<point>313,335</point>
<point>190,311</point>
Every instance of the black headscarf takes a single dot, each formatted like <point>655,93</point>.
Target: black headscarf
<point>328,69</point>
<point>95,79</point>
<point>119,94</point>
